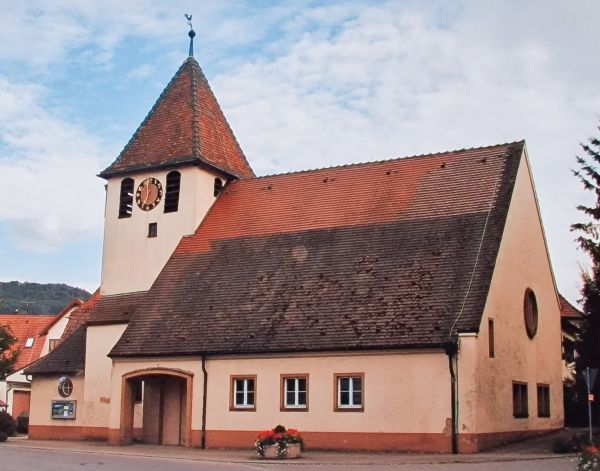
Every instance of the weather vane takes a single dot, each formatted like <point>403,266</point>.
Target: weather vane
<point>191,34</point>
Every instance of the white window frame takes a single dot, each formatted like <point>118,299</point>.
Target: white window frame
<point>296,391</point>
<point>245,392</point>
<point>351,406</point>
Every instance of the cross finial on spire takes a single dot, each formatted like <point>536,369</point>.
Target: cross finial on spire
<point>191,34</point>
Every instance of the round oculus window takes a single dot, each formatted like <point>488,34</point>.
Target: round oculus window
<point>530,310</point>
<point>65,386</point>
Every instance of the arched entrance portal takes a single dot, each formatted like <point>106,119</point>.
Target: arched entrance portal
<point>156,407</point>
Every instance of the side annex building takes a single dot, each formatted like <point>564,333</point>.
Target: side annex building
<point>406,304</point>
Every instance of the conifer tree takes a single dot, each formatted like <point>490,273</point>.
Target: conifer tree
<point>588,346</point>
<point>588,342</point>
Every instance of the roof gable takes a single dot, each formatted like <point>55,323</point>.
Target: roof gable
<point>185,126</point>
<point>377,255</point>
<point>75,303</point>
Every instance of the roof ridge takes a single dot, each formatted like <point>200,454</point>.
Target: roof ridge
<point>391,159</point>
<point>205,81</point>
<point>195,123</point>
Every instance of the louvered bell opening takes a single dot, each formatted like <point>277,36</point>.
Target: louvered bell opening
<point>172,192</point>
<point>126,198</point>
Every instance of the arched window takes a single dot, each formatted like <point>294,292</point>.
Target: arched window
<point>126,198</point>
<point>218,186</point>
<point>172,193</point>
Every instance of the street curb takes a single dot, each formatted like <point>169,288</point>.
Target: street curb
<point>362,460</point>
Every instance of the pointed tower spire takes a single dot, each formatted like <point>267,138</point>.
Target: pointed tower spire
<point>185,126</point>
<point>191,34</point>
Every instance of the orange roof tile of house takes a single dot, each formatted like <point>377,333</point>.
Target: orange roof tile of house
<point>24,327</point>
<point>80,315</point>
<point>185,126</point>
<point>567,310</point>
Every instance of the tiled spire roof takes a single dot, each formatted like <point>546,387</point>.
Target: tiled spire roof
<point>185,126</point>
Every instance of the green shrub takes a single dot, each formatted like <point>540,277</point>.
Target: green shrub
<point>563,445</point>
<point>7,424</point>
<point>3,437</point>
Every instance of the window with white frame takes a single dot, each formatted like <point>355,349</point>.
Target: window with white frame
<point>294,392</point>
<point>243,392</point>
<point>349,392</point>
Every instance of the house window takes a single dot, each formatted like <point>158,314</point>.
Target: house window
<point>543,400</point>
<point>126,198</point>
<point>152,229</point>
<point>65,386</point>
<point>243,393</point>
<point>530,310</point>
<point>491,351</point>
<point>29,342</point>
<point>520,408</point>
<point>294,392</point>
<point>52,343</point>
<point>218,187</point>
<point>349,392</point>
<point>172,193</point>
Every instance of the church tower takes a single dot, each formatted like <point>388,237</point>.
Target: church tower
<point>166,178</point>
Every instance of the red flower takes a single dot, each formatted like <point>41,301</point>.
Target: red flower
<point>293,431</point>
<point>266,434</point>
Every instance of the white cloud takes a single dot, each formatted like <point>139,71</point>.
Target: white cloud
<point>47,173</point>
<point>393,80</point>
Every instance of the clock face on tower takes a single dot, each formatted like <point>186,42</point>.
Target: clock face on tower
<point>149,194</point>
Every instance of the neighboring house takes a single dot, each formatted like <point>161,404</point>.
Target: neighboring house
<point>56,327</point>
<point>571,320</point>
<point>406,304</point>
<point>27,329</point>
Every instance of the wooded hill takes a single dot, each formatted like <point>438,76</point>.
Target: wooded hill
<point>37,298</point>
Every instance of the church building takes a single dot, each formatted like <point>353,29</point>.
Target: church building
<point>404,304</point>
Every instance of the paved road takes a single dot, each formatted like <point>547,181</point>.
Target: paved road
<point>25,459</point>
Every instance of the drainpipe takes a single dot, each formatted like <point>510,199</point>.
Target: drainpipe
<point>451,351</point>
<point>205,389</point>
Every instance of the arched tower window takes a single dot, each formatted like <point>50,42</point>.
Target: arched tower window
<point>172,193</point>
<point>218,186</point>
<point>126,198</point>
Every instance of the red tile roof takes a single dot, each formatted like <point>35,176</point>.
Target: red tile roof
<point>80,315</point>
<point>23,327</point>
<point>567,310</point>
<point>388,254</point>
<point>185,126</point>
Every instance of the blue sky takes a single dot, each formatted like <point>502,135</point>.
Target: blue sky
<point>304,84</point>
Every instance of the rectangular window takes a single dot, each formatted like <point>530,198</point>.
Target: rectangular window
<point>243,393</point>
<point>491,337</point>
<point>520,407</point>
<point>294,392</point>
<point>543,400</point>
<point>52,343</point>
<point>152,229</point>
<point>349,392</point>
